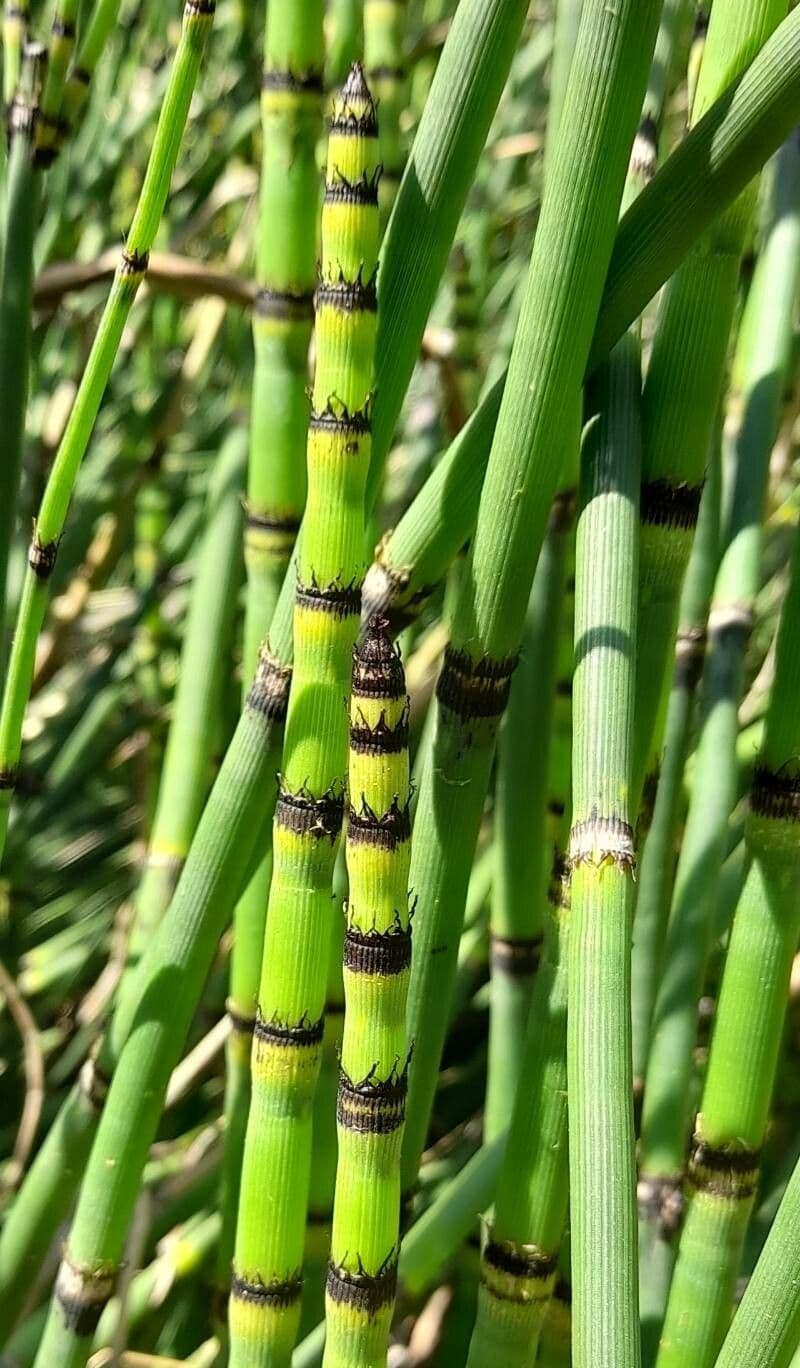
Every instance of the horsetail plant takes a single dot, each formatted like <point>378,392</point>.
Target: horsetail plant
<point>362,1274</point>
<point>287,1036</point>
<point>384,62</point>
<point>730,1127</point>
<point>186,769</point>
<point>572,246</point>
<point>684,383</point>
<point>523,853</point>
<point>291,123</point>
<point>667,1105</point>
<point>22,198</point>
<point>602,862</point>
<point>198,15</point>
<point>519,1259</point>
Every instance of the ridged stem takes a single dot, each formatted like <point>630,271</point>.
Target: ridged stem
<point>519,1260</point>
<point>684,383</point>
<point>384,62</point>
<point>58,491</point>
<point>186,771</point>
<point>362,1274</point>
<point>286,263</point>
<point>729,1131</point>
<point>572,246</point>
<point>711,167</point>
<point>766,1332</point>
<point>601,854</point>
<point>666,1114</point>
<point>523,852</point>
<point>287,1038</point>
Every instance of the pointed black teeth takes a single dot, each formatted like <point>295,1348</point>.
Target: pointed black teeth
<point>386,830</point>
<point>276,1295</point>
<point>303,1035</point>
<point>377,667</point>
<point>305,815</point>
<point>379,953</point>
<point>355,87</point>
<point>354,113</point>
<point>363,1292</point>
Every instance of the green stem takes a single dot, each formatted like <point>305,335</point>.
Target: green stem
<point>22,196</point>
<point>729,1130</point>
<point>520,1259</point>
<point>185,774</point>
<point>599,1079</point>
<point>572,247</point>
<point>362,1275</point>
<point>265,1300</point>
<point>523,854</point>
<point>291,122</point>
<point>129,276</point>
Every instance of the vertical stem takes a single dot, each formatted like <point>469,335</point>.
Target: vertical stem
<point>362,1275</point>
<point>265,1300</point>
<point>601,854</point>
<point>58,491</point>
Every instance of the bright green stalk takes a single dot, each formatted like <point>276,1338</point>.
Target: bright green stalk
<point>344,24</point>
<point>195,713</point>
<point>90,49</point>
<point>384,61</point>
<point>291,122</point>
<point>684,382</point>
<point>730,1127</point>
<point>523,853</point>
<point>432,1241</point>
<point>520,1259</point>
<point>212,876</point>
<point>466,89</point>
<point>710,168</point>
<point>265,1304</point>
<point>656,873</point>
<point>129,276</point>
<point>167,988</point>
<point>601,852</point>
<point>667,1095</point>
<point>659,1203</point>
<point>362,1275</point>
<point>766,1328</point>
<point>22,196</point>
<point>713,164</point>
<point>568,18</point>
<point>286,263</point>
<point>573,244</point>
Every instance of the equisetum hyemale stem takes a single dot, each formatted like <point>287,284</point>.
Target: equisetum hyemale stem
<point>22,194</point>
<point>384,62</point>
<point>601,854</point>
<point>533,430</point>
<point>265,1295</point>
<point>197,20</point>
<point>286,266</point>
<point>92,41</point>
<point>362,1274</point>
<point>730,1128</point>
<point>519,1260</point>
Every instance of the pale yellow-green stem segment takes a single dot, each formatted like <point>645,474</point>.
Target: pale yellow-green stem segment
<point>265,1300</point>
<point>362,1274</point>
